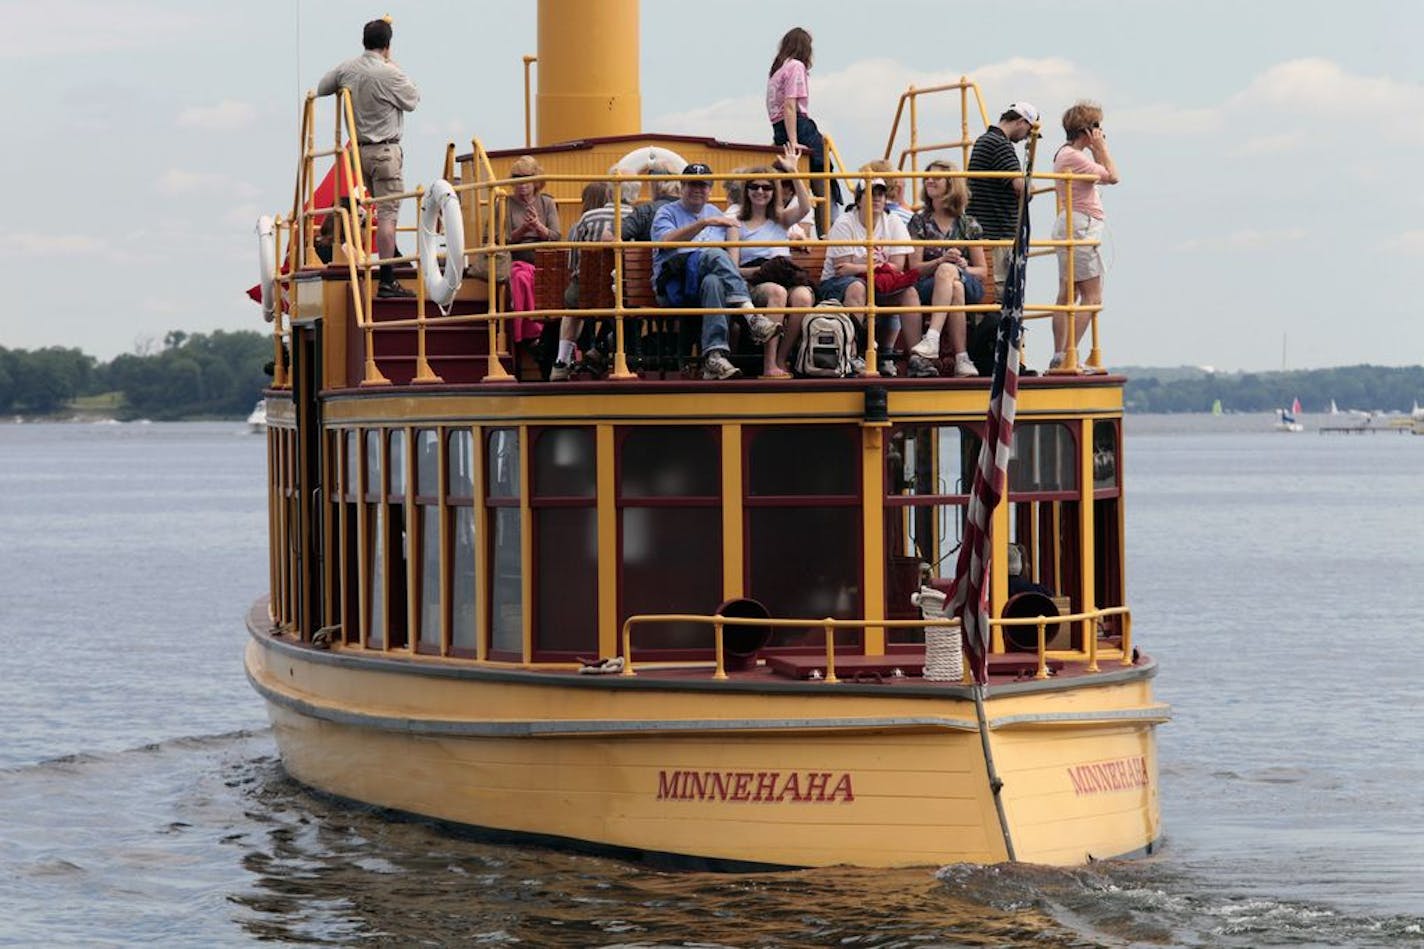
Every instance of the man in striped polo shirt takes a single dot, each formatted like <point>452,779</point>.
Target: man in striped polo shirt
<point>994,202</point>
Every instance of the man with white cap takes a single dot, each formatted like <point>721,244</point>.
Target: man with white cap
<point>994,202</point>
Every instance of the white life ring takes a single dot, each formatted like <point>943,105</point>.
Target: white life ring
<point>267,265</point>
<point>441,203</point>
<point>641,160</point>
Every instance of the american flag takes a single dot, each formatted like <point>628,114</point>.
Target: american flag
<point>969,595</point>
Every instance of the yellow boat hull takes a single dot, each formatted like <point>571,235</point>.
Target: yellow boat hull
<point>734,776</point>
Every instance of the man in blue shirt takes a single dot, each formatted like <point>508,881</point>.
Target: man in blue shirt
<point>721,285</point>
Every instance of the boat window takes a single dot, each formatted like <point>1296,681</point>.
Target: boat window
<point>670,531</point>
<point>803,526</point>
<point>1043,458</point>
<point>565,525</point>
<point>375,544</point>
<point>427,464</point>
<point>564,463</point>
<point>349,534</point>
<point>459,456</point>
<point>502,452</point>
<point>460,523</point>
<point>427,479</point>
<point>1105,441</point>
<point>929,472</point>
<point>506,544</point>
<point>397,455</point>
<point>669,462</point>
<point>790,460</point>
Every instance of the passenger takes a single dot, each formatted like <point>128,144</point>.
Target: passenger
<point>733,187</point>
<point>380,94</point>
<point>994,202</point>
<point>595,224</point>
<point>1086,153</point>
<point>788,97</point>
<point>845,272</point>
<point>774,279</point>
<point>530,216</point>
<point>895,195</point>
<point>638,226</point>
<point>716,283</point>
<point>949,276</point>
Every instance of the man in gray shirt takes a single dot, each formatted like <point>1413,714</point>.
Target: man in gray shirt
<point>381,94</point>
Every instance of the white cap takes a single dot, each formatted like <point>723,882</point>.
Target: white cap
<point>1023,110</point>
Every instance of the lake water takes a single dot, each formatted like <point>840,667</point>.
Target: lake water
<point>1274,576</point>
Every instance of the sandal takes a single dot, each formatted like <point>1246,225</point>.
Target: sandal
<point>776,373</point>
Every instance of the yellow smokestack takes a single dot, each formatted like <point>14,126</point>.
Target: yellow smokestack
<point>588,70</point>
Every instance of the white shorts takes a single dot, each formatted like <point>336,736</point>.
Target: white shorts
<point>1087,260</point>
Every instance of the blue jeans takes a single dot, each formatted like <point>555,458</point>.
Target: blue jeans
<point>722,286</point>
<point>809,135</point>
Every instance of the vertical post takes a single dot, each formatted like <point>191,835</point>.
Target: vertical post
<point>423,372</point>
<point>478,470</point>
<point>732,513</point>
<point>1087,563</point>
<point>620,343</point>
<point>867,213</point>
<point>872,476</point>
<point>830,627</point>
<point>528,112</point>
<point>607,520</point>
<point>719,645</point>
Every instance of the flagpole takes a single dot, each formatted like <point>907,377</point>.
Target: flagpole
<point>996,784</point>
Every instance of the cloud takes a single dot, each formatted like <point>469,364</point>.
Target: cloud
<point>1272,144</point>
<point>1246,239</point>
<point>68,27</point>
<point>1408,244</point>
<point>176,182</point>
<point>226,116</point>
<point>34,245</point>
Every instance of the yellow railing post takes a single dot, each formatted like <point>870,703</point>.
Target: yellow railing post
<point>528,133</point>
<point>719,645</point>
<point>831,650</point>
<point>423,373</point>
<point>1127,639</point>
<point>620,343</point>
<point>1042,672</point>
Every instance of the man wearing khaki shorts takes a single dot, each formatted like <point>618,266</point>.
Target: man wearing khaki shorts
<point>381,94</point>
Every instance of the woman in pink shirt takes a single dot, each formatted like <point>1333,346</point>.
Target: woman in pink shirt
<point>1086,153</point>
<point>788,97</point>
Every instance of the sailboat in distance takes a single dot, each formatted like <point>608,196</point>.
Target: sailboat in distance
<point>1216,407</point>
<point>1288,421</point>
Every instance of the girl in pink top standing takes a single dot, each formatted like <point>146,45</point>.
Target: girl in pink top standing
<point>1086,153</point>
<point>788,98</point>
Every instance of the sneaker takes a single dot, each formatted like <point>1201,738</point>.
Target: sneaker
<point>920,367</point>
<point>927,347</point>
<point>392,291</point>
<point>715,365</point>
<point>560,372</point>
<point>964,366</point>
<point>1056,361</point>
<point>887,368</point>
<point>763,329</point>
<point>857,365</point>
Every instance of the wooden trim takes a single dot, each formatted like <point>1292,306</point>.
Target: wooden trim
<point>609,561</point>
<point>733,523</point>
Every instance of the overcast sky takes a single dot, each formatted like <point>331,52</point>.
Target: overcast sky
<point>1269,149</point>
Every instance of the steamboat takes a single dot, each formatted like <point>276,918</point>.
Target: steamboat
<point>657,616</point>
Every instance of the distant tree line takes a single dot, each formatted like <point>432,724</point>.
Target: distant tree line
<point>1352,387</point>
<point>219,374</point>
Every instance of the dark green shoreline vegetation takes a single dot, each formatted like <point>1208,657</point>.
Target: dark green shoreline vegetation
<point>220,375</point>
<point>215,375</point>
<point>1187,389</point>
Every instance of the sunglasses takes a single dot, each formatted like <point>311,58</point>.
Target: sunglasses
<point>761,187</point>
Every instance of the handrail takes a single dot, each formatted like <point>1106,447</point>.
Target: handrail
<point>489,194</point>
<point>719,622</point>
<point>912,96</point>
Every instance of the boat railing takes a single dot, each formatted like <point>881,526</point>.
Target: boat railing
<point>720,622</point>
<point>910,99</point>
<point>487,195</point>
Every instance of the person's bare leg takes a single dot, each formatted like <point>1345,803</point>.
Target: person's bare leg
<point>1090,294</point>
<point>775,299</point>
<point>798,297</point>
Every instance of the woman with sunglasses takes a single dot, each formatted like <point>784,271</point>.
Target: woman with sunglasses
<point>1086,153</point>
<point>775,281</point>
<point>950,275</point>
<point>788,98</point>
